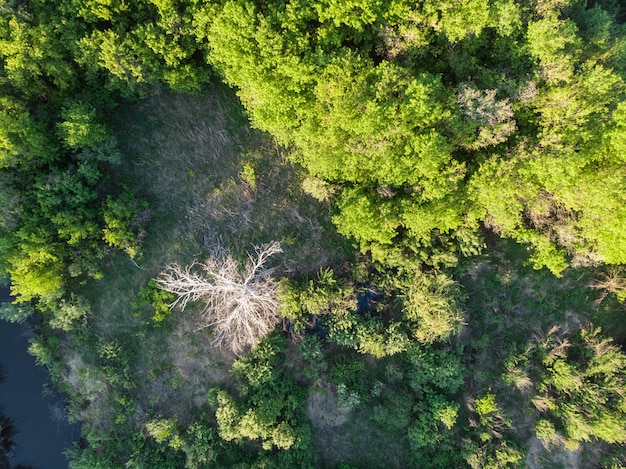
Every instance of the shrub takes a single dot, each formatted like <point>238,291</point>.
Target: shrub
<point>432,308</point>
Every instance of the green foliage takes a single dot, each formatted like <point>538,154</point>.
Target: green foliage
<point>322,296</point>
<point>435,418</point>
<point>366,334</point>
<point>390,131</point>
<point>317,188</point>
<point>423,123</point>
<point>139,45</point>
<point>59,231</point>
<point>545,431</point>
<point>52,181</point>
<point>43,349</point>
<point>333,304</point>
<point>428,367</point>
<point>15,312</point>
<point>104,152</point>
<point>69,314</point>
<point>502,454</point>
<point>346,400</point>
<point>417,402</point>
<point>485,406</point>
<point>491,423</point>
<point>36,272</point>
<point>311,350</point>
<point>79,128</point>
<point>23,139</point>
<point>164,431</point>
<point>578,388</point>
<point>616,459</point>
<point>199,445</point>
<point>271,408</point>
<point>124,217</point>
<point>248,174</point>
<point>432,307</point>
<point>429,435</point>
<point>394,412</point>
<point>157,299</point>
<point>390,341</point>
<point>101,453</point>
<point>348,371</point>
<point>144,454</point>
<point>35,60</point>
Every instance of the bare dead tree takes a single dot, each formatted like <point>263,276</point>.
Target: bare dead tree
<point>612,281</point>
<point>240,302</point>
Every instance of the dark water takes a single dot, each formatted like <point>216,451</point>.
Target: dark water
<point>41,436</point>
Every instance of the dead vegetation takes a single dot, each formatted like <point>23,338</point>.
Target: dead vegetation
<point>539,457</point>
<point>240,304</point>
<point>611,281</point>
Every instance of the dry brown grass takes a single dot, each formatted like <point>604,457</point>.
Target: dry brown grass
<point>556,457</point>
<point>189,153</point>
<point>193,367</point>
<point>322,409</point>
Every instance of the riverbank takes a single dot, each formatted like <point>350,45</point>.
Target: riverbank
<point>42,432</point>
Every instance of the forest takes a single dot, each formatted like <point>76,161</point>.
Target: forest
<point>321,233</point>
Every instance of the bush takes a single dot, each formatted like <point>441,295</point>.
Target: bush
<point>159,300</point>
<point>311,350</point>
<point>432,307</point>
<point>80,127</point>
<point>437,368</point>
<point>395,411</point>
<point>578,388</point>
<point>271,407</point>
<point>67,315</point>
<point>43,350</point>
<point>124,218</point>
<point>15,312</point>
<point>165,430</point>
<point>349,371</point>
<point>320,296</point>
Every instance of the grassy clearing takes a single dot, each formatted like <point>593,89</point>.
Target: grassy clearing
<point>352,439</point>
<point>509,302</point>
<point>209,179</point>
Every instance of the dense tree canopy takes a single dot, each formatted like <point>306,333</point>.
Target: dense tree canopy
<point>433,118</point>
<point>438,116</point>
<point>54,153</point>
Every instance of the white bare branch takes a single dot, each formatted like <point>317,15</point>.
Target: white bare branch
<point>240,303</point>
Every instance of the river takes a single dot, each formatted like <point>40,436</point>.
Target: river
<point>41,435</point>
